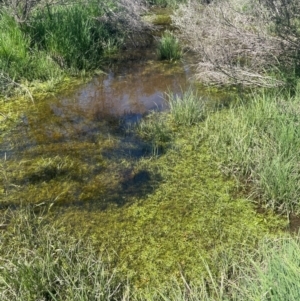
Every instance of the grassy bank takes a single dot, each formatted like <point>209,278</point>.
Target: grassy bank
<point>257,140</point>
<point>50,41</point>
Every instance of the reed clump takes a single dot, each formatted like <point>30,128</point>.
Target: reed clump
<point>169,47</point>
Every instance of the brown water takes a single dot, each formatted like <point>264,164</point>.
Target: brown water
<point>135,85</point>
<point>76,148</point>
<point>129,89</point>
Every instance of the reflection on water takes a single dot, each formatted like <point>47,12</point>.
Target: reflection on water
<point>135,87</point>
<point>76,148</point>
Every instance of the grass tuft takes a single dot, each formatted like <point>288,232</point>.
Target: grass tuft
<point>154,129</point>
<point>169,48</point>
<point>187,109</point>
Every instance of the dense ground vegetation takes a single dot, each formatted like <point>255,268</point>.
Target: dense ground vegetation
<point>258,140</point>
<point>210,166</point>
<point>43,41</point>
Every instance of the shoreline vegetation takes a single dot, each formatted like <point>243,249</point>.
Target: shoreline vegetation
<point>210,221</point>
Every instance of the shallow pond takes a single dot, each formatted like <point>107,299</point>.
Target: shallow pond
<point>77,156</point>
<point>87,129</point>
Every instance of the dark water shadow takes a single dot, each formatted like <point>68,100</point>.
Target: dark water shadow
<point>138,185</point>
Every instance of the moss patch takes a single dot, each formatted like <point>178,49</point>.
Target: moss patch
<point>191,215</point>
<point>155,216</point>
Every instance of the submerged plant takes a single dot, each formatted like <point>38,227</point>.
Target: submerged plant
<point>154,129</point>
<point>169,48</point>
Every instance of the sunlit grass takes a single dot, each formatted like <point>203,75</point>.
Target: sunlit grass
<point>259,142</point>
<point>273,272</point>
<point>186,109</point>
<point>169,48</point>
<point>39,262</point>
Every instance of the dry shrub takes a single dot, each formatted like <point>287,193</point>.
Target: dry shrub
<point>125,14</point>
<point>236,41</point>
<point>127,18</point>
<point>20,9</point>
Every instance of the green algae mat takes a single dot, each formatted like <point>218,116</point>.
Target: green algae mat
<point>152,217</point>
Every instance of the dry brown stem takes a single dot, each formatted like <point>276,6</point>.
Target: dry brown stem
<point>233,41</point>
<point>127,18</point>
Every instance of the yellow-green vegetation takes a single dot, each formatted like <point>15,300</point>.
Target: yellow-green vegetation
<point>162,214</point>
<point>192,214</point>
<point>41,261</point>
<point>159,17</point>
<point>152,217</point>
<point>167,210</point>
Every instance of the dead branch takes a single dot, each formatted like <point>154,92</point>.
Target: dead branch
<point>233,40</point>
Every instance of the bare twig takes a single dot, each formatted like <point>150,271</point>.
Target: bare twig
<point>14,83</point>
<point>234,41</point>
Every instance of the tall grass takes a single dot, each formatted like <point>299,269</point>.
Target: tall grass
<point>169,48</point>
<point>39,262</point>
<point>17,58</point>
<point>71,34</point>
<point>259,142</point>
<point>186,109</point>
<point>273,274</point>
<point>55,40</point>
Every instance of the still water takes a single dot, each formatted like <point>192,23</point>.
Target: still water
<point>83,134</point>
